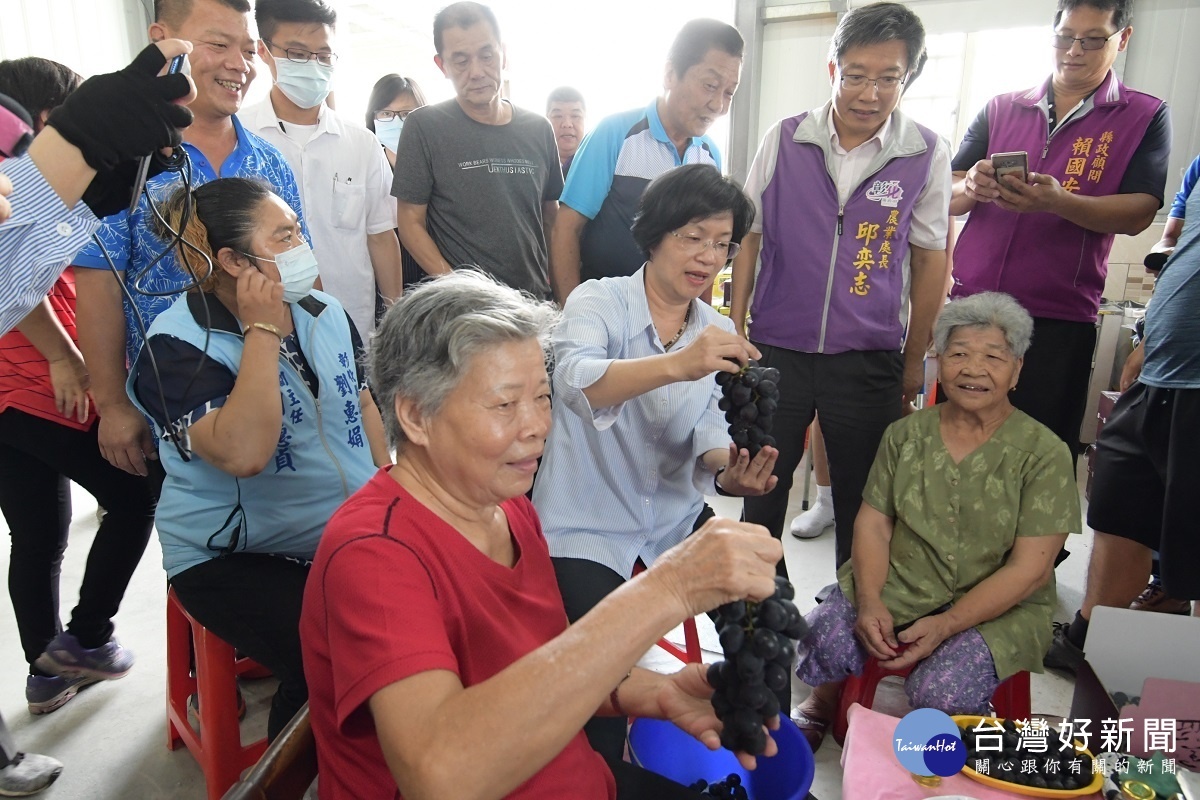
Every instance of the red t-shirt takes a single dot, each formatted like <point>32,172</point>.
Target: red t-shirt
<point>25,373</point>
<point>395,591</point>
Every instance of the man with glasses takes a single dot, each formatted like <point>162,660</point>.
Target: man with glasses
<point>222,66</point>
<point>345,181</point>
<point>477,179</point>
<point>1097,162</point>
<point>617,160</point>
<point>852,216</point>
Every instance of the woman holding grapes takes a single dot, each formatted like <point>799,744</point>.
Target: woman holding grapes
<point>636,417</point>
<point>436,646</point>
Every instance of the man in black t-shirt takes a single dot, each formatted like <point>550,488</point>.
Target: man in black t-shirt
<point>477,179</point>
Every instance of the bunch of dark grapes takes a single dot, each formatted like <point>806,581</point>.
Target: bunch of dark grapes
<point>730,789</point>
<point>749,400</point>
<point>758,640</point>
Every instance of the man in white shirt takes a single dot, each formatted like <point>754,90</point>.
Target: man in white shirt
<point>344,178</point>
<point>853,202</point>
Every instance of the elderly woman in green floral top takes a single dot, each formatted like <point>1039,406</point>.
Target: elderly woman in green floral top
<point>966,507</point>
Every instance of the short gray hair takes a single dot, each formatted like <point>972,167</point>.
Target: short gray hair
<point>424,343</point>
<point>986,310</point>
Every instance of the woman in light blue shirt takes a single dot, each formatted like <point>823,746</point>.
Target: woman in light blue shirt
<point>638,439</point>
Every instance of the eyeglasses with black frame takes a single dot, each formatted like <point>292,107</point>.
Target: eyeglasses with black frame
<point>387,115</point>
<point>884,85</point>
<point>300,56</point>
<point>1063,42</point>
<point>693,245</point>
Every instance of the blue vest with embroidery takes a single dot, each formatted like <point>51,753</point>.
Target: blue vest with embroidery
<point>322,455</point>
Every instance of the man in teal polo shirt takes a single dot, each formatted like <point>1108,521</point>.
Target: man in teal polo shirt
<point>616,161</point>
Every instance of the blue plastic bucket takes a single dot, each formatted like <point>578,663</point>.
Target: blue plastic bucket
<point>661,747</point>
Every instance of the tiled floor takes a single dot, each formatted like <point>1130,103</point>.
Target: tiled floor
<point>112,737</point>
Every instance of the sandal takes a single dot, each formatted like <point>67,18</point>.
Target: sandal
<point>813,728</point>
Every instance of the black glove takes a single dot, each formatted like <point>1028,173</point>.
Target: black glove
<point>109,191</point>
<point>125,115</point>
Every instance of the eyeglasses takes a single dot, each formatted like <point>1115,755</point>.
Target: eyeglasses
<point>694,245</point>
<point>1062,42</point>
<point>884,85</point>
<point>304,56</point>
<point>387,115</point>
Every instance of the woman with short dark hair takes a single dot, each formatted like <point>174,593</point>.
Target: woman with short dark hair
<point>636,418</point>
<point>436,646</point>
<point>264,421</point>
<point>392,99</point>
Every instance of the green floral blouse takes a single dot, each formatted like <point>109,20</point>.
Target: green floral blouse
<point>955,524</point>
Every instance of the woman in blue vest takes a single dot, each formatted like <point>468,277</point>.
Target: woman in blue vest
<point>263,419</point>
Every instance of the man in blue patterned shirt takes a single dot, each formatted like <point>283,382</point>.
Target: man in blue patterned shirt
<point>222,66</point>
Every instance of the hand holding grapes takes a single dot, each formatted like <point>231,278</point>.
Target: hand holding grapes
<point>721,562</point>
<point>686,700</point>
<point>714,350</point>
<point>746,476</point>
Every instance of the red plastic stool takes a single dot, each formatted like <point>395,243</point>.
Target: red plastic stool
<point>218,746</point>
<point>1011,700</point>
<point>692,653</point>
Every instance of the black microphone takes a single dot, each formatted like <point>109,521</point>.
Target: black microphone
<point>178,64</point>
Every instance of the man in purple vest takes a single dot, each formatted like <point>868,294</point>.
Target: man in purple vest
<point>1097,155</point>
<point>852,203</point>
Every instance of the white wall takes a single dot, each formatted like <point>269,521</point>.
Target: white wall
<point>89,36</point>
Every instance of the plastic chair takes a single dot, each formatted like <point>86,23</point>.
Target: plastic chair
<point>1011,699</point>
<point>217,746</point>
<point>287,768</point>
<point>691,654</point>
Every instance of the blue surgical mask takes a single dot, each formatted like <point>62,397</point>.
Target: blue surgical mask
<point>306,85</point>
<point>297,271</point>
<point>388,132</point>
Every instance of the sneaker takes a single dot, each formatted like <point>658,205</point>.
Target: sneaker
<point>1153,598</point>
<point>28,774</point>
<point>65,656</point>
<point>814,522</point>
<point>1063,654</point>
<point>49,693</point>
<point>193,708</point>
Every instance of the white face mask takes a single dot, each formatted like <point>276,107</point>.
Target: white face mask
<point>306,85</point>
<point>297,271</point>
<point>388,132</point>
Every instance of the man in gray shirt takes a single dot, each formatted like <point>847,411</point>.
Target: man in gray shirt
<point>477,179</point>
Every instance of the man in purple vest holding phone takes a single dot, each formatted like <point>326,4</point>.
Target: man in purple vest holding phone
<point>1096,165</point>
<point>852,202</point>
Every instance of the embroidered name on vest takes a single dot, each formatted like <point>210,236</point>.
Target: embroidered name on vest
<point>1077,162</point>
<point>867,258</point>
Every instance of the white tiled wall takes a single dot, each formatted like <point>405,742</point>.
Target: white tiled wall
<point>1127,278</point>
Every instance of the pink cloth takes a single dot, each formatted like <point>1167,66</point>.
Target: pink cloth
<point>870,769</point>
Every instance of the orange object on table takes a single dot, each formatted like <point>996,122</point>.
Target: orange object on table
<point>871,770</point>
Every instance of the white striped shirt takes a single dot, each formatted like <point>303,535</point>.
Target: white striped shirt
<point>37,242</point>
<point>626,481</point>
